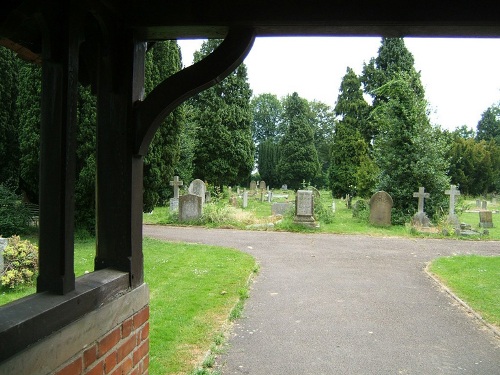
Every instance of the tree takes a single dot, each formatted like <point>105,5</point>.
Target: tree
<point>9,141</point>
<point>224,153</point>
<point>488,127</point>
<point>323,123</point>
<point>298,156</point>
<point>268,162</point>
<point>409,151</point>
<point>162,60</point>
<point>267,113</point>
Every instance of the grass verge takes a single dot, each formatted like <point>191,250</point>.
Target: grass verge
<point>475,280</point>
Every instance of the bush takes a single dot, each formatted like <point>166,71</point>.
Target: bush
<point>20,263</point>
<point>361,210</point>
<point>15,217</point>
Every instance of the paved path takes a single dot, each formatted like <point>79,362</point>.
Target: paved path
<point>335,304</point>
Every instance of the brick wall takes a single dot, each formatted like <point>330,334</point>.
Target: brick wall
<point>121,351</point>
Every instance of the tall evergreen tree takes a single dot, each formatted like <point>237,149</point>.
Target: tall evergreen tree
<point>225,150</point>
<point>267,113</point>
<point>268,162</point>
<point>323,122</point>
<point>162,60</point>
<point>488,127</point>
<point>9,141</point>
<point>298,155</point>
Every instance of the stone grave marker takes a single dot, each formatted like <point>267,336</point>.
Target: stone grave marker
<point>485,219</point>
<point>174,202</point>
<point>380,209</point>
<point>190,207</point>
<point>245,199</point>
<point>269,196</point>
<point>284,187</point>
<point>233,201</point>
<point>253,185</point>
<point>3,244</point>
<point>452,217</point>
<point>484,205</point>
<point>197,187</point>
<point>262,185</point>
<point>478,203</point>
<point>420,219</point>
<point>304,208</point>
<point>281,208</point>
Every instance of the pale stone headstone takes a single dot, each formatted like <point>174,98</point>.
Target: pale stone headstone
<point>453,192</point>
<point>281,208</point>
<point>174,204</point>
<point>269,196</point>
<point>485,219</point>
<point>233,201</point>
<point>420,219</point>
<point>190,207</point>
<point>262,185</point>
<point>245,199</point>
<point>484,205</point>
<point>380,209</point>
<point>208,196</point>
<point>333,206</point>
<point>253,185</point>
<point>304,208</point>
<point>284,187</point>
<point>3,244</point>
<point>197,187</point>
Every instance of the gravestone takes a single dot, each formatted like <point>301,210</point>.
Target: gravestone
<point>245,199</point>
<point>485,219</point>
<point>484,205</point>
<point>208,196</point>
<point>281,208</point>
<point>190,207</point>
<point>233,201</point>
<point>174,202</point>
<point>420,219</point>
<point>452,217</point>
<point>478,203</point>
<point>3,244</point>
<point>333,206</point>
<point>269,196</point>
<point>197,187</point>
<point>253,185</point>
<point>304,208</point>
<point>284,187</point>
<point>380,209</point>
<point>262,185</point>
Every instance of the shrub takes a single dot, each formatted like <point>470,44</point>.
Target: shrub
<point>20,263</point>
<point>14,215</point>
<point>361,210</point>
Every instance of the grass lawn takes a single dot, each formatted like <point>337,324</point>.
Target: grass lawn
<point>475,280</point>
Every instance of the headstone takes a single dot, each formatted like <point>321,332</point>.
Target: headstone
<point>190,207</point>
<point>485,219</point>
<point>284,187</point>
<point>420,219</point>
<point>484,205</point>
<point>333,206</point>
<point>208,196</point>
<point>233,201</point>
<point>304,208</point>
<point>3,244</point>
<point>197,187</point>
<point>269,196</point>
<point>262,185</point>
<point>380,209</point>
<point>174,204</point>
<point>253,185</point>
<point>452,218</point>
<point>478,203</point>
<point>281,208</point>
<point>262,195</point>
<point>245,199</point>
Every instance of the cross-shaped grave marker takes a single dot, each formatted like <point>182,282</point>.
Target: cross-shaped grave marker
<point>176,183</point>
<point>453,192</point>
<point>421,195</point>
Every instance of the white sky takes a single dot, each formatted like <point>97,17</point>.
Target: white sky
<point>461,77</point>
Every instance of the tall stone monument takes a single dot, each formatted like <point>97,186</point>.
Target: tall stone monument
<point>420,219</point>
<point>452,217</point>
<point>174,202</point>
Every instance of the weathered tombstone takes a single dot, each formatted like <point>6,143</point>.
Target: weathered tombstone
<point>333,206</point>
<point>269,196</point>
<point>233,201</point>
<point>304,208</point>
<point>174,202</point>
<point>281,208</point>
<point>245,199</point>
<point>208,196</point>
<point>3,244</point>
<point>484,205</point>
<point>420,219</point>
<point>380,209</point>
<point>190,207</point>
<point>253,185</point>
<point>284,187</point>
<point>262,195</point>
<point>262,185</point>
<point>478,203</point>
<point>452,217</point>
<point>485,219</point>
<point>197,187</point>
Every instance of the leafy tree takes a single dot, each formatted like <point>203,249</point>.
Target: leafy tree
<point>268,162</point>
<point>323,122</point>
<point>267,112</point>
<point>162,60</point>
<point>298,156</point>
<point>225,151</point>
<point>409,151</point>
<point>488,127</point>
<point>9,141</point>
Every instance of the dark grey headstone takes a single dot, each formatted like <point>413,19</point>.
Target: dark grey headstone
<point>380,209</point>
<point>485,219</point>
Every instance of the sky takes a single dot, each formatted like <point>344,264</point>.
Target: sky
<point>461,77</point>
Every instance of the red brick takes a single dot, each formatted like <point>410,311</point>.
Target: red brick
<point>127,365</point>
<point>110,363</point>
<point>141,317</point>
<point>145,364</point>
<point>135,371</point>
<point>141,351</point>
<point>126,347</point>
<point>144,332</point>
<point>73,368</point>
<point>97,370</point>
<point>108,342</point>
<point>127,327</point>
<point>89,356</point>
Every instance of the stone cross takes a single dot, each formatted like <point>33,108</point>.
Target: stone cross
<point>176,183</point>
<point>421,195</point>
<point>453,192</point>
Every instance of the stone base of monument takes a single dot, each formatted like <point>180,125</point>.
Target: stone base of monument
<point>420,220</point>
<point>307,221</point>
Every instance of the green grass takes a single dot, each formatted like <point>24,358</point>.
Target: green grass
<point>474,279</point>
